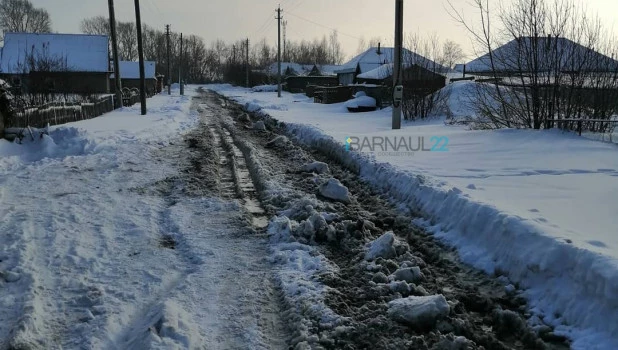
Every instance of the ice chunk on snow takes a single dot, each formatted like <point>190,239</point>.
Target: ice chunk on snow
<point>259,125</point>
<point>279,141</point>
<point>419,311</point>
<point>382,247</point>
<point>315,167</point>
<point>333,189</point>
<point>9,276</point>
<point>409,274</point>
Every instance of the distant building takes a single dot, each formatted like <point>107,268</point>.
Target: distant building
<point>380,58</point>
<point>297,69</point>
<point>130,76</point>
<point>56,63</point>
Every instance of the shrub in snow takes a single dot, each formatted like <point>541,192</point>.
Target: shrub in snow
<point>259,126</point>
<point>315,167</point>
<point>421,312</point>
<point>408,274</point>
<point>383,247</point>
<point>333,189</point>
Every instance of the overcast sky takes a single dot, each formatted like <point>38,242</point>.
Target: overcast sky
<point>236,19</point>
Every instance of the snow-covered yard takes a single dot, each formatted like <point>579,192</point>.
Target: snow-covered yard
<point>536,206</point>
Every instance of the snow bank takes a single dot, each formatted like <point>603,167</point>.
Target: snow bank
<point>167,115</point>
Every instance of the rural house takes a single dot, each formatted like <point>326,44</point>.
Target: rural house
<point>130,77</point>
<point>379,62</point>
<point>541,54</point>
<point>56,63</point>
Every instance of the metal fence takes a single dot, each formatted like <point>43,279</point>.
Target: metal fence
<point>56,113</point>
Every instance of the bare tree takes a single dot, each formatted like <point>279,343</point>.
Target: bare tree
<point>22,16</point>
<point>424,76</point>
<point>549,69</point>
<point>451,53</point>
<point>336,55</point>
<point>98,25</point>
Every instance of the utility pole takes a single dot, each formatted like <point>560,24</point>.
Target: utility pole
<point>112,27</point>
<point>285,51</point>
<point>397,83</point>
<point>279,18</point>
<point>182,88</point>
<point>247,61</point>
<point>169,67</point>
<point>140,49</point>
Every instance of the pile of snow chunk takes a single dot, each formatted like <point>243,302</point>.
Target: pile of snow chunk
<point>315,167</point>
<point>333,189</point>
<point>419,312</point>
<point>383,247</point>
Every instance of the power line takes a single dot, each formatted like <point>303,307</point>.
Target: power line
<point>322,25</point>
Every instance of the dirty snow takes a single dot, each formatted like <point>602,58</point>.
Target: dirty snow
<point>537,206</point>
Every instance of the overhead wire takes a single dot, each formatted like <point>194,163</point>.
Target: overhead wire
<point>322,25</point>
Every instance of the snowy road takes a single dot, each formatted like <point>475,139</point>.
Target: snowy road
<point>127,247</point>
<point>205,228</point>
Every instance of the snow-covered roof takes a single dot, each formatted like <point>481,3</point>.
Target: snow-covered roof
<point>382,72</point>
<point>301,69</point>
<point>513,57</point>
<point>130,70</point>
<point>375,58</point>
<point>79,52</point>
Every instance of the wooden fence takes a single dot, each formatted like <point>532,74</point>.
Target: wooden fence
<point>56,113</point>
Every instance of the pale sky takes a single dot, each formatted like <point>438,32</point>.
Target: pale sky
<point>232,20</point>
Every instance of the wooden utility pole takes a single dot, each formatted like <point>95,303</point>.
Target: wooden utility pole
<point>285,51</point>
<point>182,88</point>
<point>279,18</point>
<point>112,28</point>
<point>397,89</point>
<point>140,50</point>
<point>169,67</point>
<point>247,62</point>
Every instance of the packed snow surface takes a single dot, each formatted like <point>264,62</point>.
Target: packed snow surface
<point>100,249</point>
<point>536,206</point>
